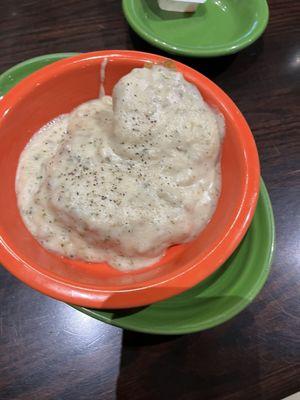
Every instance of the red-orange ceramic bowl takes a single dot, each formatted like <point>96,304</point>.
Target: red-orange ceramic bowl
<point>57,89</point>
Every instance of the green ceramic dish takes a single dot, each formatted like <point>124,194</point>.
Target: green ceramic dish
<point>214,301</point>
<point>217,28</point>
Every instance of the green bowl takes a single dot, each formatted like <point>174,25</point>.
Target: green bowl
<point>217,28</point>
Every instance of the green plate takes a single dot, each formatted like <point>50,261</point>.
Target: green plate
<point>217,28</point>
<point>215,300</point>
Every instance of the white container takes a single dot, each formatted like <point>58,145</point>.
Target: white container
<point>179,6</point>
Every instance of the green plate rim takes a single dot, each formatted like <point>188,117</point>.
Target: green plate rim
<point>45,59</point>
<point>134,22</point>
<point>35,62</point>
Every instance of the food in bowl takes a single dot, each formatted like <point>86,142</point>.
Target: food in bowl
<point>122,178</point>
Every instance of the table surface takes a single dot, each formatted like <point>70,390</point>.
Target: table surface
<point>50,351</point>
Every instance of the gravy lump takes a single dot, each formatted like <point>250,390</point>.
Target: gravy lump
<point>122,178</point>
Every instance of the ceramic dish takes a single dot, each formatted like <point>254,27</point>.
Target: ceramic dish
<point>57,89</point>
<point>217,28</point>
<point>219,297</point>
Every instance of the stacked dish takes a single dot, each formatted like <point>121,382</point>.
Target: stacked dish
<point>205,281</point>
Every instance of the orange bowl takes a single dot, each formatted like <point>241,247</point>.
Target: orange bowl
<point>57,89</point>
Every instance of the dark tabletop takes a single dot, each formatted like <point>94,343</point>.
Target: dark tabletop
<point>50,351</point>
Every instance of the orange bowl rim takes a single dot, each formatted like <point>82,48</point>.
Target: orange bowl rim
<point>144,294</point>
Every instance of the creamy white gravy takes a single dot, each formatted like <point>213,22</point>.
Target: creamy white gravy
<point>122,178</point>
